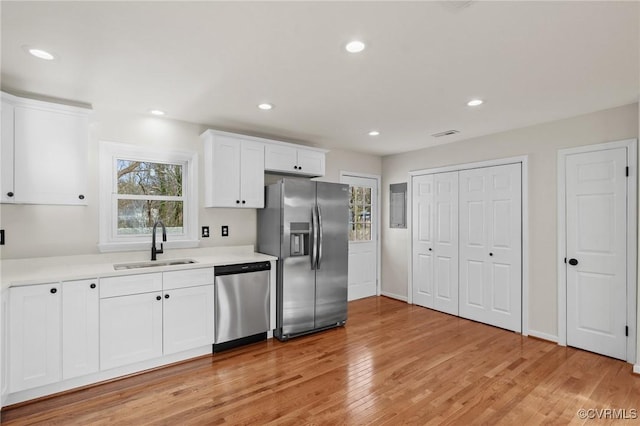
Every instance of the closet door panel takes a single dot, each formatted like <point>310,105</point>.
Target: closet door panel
<point>491,245</point>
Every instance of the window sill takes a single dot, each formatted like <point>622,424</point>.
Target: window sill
<point>135,246</point>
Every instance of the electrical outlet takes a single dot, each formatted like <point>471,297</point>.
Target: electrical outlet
<point>1,237</point>
<point>225,231</point>
<point>205,232</point>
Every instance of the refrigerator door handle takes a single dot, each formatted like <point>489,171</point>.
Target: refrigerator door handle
<point>314,236</point>
<point>320,236</point>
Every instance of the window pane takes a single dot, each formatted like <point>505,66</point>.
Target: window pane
<point>367,232</point>
<point>367,195</point>
<point>145,178</point>
<point>352,232</point>
<point>366,214</point>
<point>359,231</point>
<point>359,194</point>
<point>136,217</point>
<point>352,196</point>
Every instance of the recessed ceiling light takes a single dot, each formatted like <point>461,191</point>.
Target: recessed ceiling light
<point>475,102</point>
<point>374,133</point>
<point>157,112</point>
<point>355,46</point>
<point>39,53</point>
<point>265,106</point>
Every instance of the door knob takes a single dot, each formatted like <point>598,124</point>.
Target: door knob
<point>573,262</point>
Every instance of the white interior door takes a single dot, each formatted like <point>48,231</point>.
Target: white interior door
<point>422,244</point>
<point>363,237</point>
<point>435,241</point>
<point>491,245</point>
<point>596,226</point>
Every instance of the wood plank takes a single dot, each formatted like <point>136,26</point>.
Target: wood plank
<point>391,364</point>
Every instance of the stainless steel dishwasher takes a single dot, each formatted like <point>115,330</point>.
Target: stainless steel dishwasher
<point>242,304</point>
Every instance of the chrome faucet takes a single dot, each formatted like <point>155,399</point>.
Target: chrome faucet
<point>154,250</point>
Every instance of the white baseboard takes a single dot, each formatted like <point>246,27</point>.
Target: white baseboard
<point>393,296</point>
<point>543,336</point>
<point>636,368</point>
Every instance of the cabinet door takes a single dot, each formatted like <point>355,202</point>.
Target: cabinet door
<point>80,328</point>
<point>222,172</point>
<point>6,154</point>
<point>130,329</point>
<point>310,162</point>
<point>34,336</point>
<point>280,158</point>
<point>188,318</point>
<point>50,156</point>
<point>252,179</point>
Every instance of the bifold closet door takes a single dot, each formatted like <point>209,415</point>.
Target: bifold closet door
<point>491,245</point>
<point>435,241</point>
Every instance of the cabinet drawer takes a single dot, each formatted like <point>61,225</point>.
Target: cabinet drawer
<point>130,284</point>
<point>187,278</point>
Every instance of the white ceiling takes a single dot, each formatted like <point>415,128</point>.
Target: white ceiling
<point>213,62</point>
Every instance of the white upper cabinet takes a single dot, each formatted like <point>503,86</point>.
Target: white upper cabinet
<point>44,152</point>
<point>233,170</point>
<point>290,159</point>
<point>6,153</point>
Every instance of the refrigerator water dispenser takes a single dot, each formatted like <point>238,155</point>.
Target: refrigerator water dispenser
<point>299,245</point>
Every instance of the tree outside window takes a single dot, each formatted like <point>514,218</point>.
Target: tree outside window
<point>147,192</point>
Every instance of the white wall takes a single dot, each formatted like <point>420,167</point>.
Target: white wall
<point>540,143</point>
<point>34,231</point>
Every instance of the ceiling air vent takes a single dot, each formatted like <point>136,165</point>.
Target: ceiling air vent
<point>445,133</point>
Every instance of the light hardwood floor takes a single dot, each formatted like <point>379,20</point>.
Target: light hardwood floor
<point>392,364</point>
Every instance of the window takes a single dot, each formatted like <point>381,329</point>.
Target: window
<point>360,214</point>
<point>140,186</point>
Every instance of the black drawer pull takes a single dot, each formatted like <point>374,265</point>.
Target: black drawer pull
<point>53,290</point>
<point>158,298</point>
<point>92,285</point>
<point>166,296</point>
<point>573,262</point>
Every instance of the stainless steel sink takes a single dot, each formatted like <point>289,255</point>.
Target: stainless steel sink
<point>152,264</point>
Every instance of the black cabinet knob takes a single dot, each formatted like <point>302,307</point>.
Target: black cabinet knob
<point>92,285</point>
<point>81,196</point>
<point>299,167</point>
<point>430,249</point>
<point>490,254</point>
<point>237,201</point>
<point>295,167</point>
<point>573,262</point>
<point>244,202</point>
<point>158,298</point>
<point>166,296</point>
<point>53,290</point>
<point>9,194</point>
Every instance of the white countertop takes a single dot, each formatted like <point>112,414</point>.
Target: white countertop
<point>14,272</point>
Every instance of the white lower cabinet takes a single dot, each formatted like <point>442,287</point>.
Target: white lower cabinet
<point>130,329</point>
<point>188,318</point>
<point>172,312</point>
<point>80,328</point>
<point>34,336</point>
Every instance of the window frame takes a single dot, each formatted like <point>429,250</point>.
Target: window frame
<point>109,153</point>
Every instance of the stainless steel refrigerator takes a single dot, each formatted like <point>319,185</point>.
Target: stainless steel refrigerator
<point>305,224</point>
